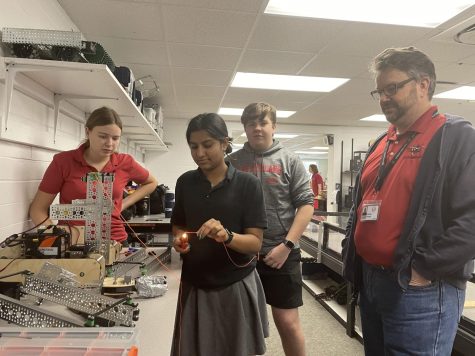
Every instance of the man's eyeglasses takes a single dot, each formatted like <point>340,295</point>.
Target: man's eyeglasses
<point>389,90</point>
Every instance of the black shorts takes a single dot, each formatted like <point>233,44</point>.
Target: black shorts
<point>283,287</point>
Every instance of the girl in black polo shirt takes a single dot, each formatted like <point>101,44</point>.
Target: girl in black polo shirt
<point>221,305</point>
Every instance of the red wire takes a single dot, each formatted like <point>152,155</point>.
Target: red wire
<point>142,243</point>
<point>180,313</point>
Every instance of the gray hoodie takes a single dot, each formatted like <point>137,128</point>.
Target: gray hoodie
<point>285,183</point>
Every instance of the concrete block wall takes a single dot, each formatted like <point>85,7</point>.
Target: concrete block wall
<point>22,168</point>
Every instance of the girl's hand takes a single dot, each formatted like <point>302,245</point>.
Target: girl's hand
<point>214,230</point>
<point>181,243</point>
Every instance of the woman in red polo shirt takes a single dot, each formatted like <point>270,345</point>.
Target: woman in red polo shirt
<point>97,154</point>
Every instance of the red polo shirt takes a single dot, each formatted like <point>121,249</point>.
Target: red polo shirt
<point>64,175</point>
<point>376,240</point>
<point>316,180</point>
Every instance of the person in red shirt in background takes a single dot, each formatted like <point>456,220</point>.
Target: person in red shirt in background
<point>97,154</point>
<point>316,183</point>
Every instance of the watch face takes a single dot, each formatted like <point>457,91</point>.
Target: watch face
<point>289,244</point>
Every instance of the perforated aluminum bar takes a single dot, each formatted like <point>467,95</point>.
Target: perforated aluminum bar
<point>16,312</point>
<point>95,210</point>
<point>41,37</point>
<point>80,300</point>
<point>122,269</point>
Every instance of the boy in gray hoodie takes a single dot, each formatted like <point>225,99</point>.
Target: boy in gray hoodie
<point>289,207</point>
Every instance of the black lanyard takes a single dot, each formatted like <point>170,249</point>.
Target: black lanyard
<point>383,170</point>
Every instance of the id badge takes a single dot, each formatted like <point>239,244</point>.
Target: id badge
<point>370,210</point>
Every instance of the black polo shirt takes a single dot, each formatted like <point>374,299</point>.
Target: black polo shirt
<point>238,203</point>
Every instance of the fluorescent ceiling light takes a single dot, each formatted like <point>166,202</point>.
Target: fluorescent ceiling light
<point>462,93</point>
<point>238,112</point>
<point>230,111</point>
<point>311,152</point>
<point>286,82</point>
<point>376,117</point>
<point>319,148</point>
<point>237,145</point>
<point>422,13</point>
<point>279,135</point>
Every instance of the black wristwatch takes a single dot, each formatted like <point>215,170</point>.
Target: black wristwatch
<point>230,236</point>
<point>289,244</point>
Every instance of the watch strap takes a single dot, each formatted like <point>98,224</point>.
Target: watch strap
<point>230,237</point>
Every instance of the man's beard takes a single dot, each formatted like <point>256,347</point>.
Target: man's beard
<point>396,112</point>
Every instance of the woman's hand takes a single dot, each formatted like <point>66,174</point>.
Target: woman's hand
<point>214,230</point>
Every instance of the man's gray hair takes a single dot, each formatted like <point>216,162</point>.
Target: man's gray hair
<point>409,60</point>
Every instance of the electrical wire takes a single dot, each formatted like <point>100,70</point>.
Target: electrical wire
<point>8,264</point>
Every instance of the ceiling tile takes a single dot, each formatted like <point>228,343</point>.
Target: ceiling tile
<point>197,105</point>
<point>193,76</point>
<point>468,60</point>
<point>206,57</point>
<point>200,91</point>
<point>207,27</point>
<point>368,39</point>
<point>273,62</point>
<point>461,73</point>
<point>296,100</point>
<point>282,33</point>
<point>252,6</point>
<point>241,97</point>
<point>338,66</point>
<point>443,51</point>
<point>116,18</point>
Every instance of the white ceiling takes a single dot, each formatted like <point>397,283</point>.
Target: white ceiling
<point>193,48</point>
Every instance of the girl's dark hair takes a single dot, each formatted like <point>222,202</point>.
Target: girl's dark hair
<point>101,117</point>
<point>213,124</point>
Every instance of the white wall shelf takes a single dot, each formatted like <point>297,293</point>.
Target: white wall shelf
<point>85,86</point>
